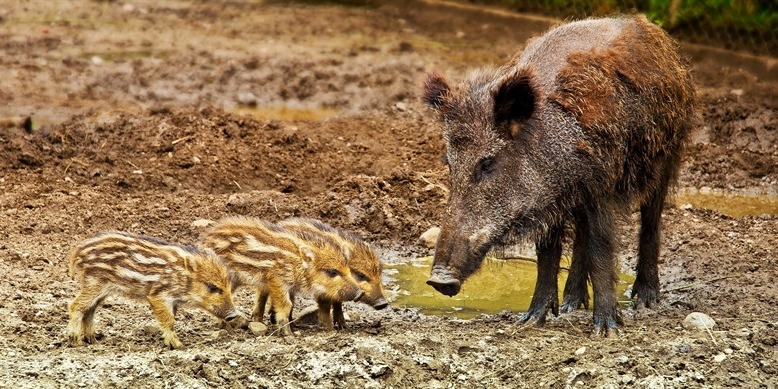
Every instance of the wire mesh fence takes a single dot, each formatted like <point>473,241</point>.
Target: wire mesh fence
<point>743,25</point>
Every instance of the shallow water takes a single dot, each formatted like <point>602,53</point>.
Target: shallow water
<point>499,285</point>
<point>285,113</point>
<point>734,205</point>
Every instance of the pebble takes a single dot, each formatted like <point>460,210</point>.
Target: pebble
<point>580,351</point>
<point>247,98</point>
<point>720,358</point>
<point>202,223</point>
<point>257,328</point>
<point>402,107</point>
<point>430,237</point>
<point>97,60</point>
<point>699,321</point>
<point>218,334</point>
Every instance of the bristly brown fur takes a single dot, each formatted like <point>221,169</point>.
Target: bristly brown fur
<point>360,257</point>
<point>278,264</point>
<point>589,120</point>
<point>145,268</point>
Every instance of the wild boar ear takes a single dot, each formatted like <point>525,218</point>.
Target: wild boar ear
<point>514,98</point>
<point>308,254</point>
<point>435,90</point>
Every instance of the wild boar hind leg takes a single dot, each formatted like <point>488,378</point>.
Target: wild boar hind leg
<point>281,301</point>
<point>82,312</point>
<point>549,251</point>
<point>646,286</point>
<point>163,312</point>
<point>258,313</point>
<point>599,253</point>
<point>576,292</point>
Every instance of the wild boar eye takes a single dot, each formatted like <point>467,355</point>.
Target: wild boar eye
<point>485,167</point>
<point>332,273</point>
<point>213,288</point>
<point>359,276</point>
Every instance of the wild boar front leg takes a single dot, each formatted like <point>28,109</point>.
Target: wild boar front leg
<point>163,311</point>
<point>325,318</point>
<point>337,315</point>
<point>546,296</point>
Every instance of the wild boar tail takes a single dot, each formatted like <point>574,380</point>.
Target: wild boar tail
<point>72,257</point>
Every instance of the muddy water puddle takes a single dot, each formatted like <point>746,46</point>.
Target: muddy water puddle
<point>734,205</point>
<point>499,285</point>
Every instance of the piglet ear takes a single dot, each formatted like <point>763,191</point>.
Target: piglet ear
<point>515,98</point>
<point>435,90</point>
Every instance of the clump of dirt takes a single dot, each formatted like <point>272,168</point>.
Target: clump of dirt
<point>143,123</point>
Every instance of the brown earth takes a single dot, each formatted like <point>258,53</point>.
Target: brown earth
<point>143,122</point>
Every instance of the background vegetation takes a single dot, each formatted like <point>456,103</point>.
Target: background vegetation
<point>747,25</point>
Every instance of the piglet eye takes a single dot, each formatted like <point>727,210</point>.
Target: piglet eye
<point>332,273</point>
<point>359,276</point>
<point>213,288</point>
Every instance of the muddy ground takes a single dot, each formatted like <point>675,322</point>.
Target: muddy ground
<point>151,115</point>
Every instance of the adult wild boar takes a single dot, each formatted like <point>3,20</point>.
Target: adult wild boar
<point>589,120</point>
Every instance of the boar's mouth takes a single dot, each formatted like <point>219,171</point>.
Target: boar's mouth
<point>456,261</point>
<point>446,285</point>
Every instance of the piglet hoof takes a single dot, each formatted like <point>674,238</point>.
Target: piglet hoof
<point>174,343</point>
<point>286,330</point>
<point>75,340</point>
<point>91,338</point>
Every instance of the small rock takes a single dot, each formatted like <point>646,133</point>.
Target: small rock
<point>195,160</point>
<point>232,363</point>
<point>218,334</point>
<point>402,107</point>
<point>699,321</point>
<point>580,351</point>
<point>737,92</point>
<point>623,359</point>
<point>247,98</point>
<point>728,351</point>
<point>137,171</point>
<point>97,60</point>
<point>430,237</point>
<point>257,328</point>
<point>202,223</point>
<point>720,358</point>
